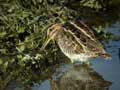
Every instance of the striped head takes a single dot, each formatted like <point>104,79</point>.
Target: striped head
<point>51,34</point>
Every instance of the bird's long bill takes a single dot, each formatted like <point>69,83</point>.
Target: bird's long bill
<point>45,43</point>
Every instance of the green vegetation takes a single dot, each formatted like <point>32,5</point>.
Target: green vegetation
<point>23,27</point>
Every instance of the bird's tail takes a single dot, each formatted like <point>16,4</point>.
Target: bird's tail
<point>106,56</point>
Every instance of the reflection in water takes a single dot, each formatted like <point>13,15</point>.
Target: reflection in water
<point>80,77</point>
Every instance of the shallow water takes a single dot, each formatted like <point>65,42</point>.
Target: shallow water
<point>101,75</point>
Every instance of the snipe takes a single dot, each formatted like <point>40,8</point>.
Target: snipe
<point>77,41</point>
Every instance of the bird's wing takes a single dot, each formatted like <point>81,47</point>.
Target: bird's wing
<point>84,36</point>
<point>68,42</point>
<point>84,29</point>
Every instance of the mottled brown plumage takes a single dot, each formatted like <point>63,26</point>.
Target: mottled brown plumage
<point>77,41</point>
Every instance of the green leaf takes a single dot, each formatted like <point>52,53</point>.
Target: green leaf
<point>20,48</point>
<point>2,34</point>
<point>1,61</point>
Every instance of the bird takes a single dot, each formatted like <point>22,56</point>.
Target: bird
<point>77,41</point>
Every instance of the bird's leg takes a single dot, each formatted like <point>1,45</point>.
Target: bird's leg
<point>72,63</point>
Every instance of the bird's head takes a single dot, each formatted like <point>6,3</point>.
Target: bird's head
<point>51,34</point>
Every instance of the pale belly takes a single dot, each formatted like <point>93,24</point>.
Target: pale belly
<point>62,41</point>
<point>76,57</point>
